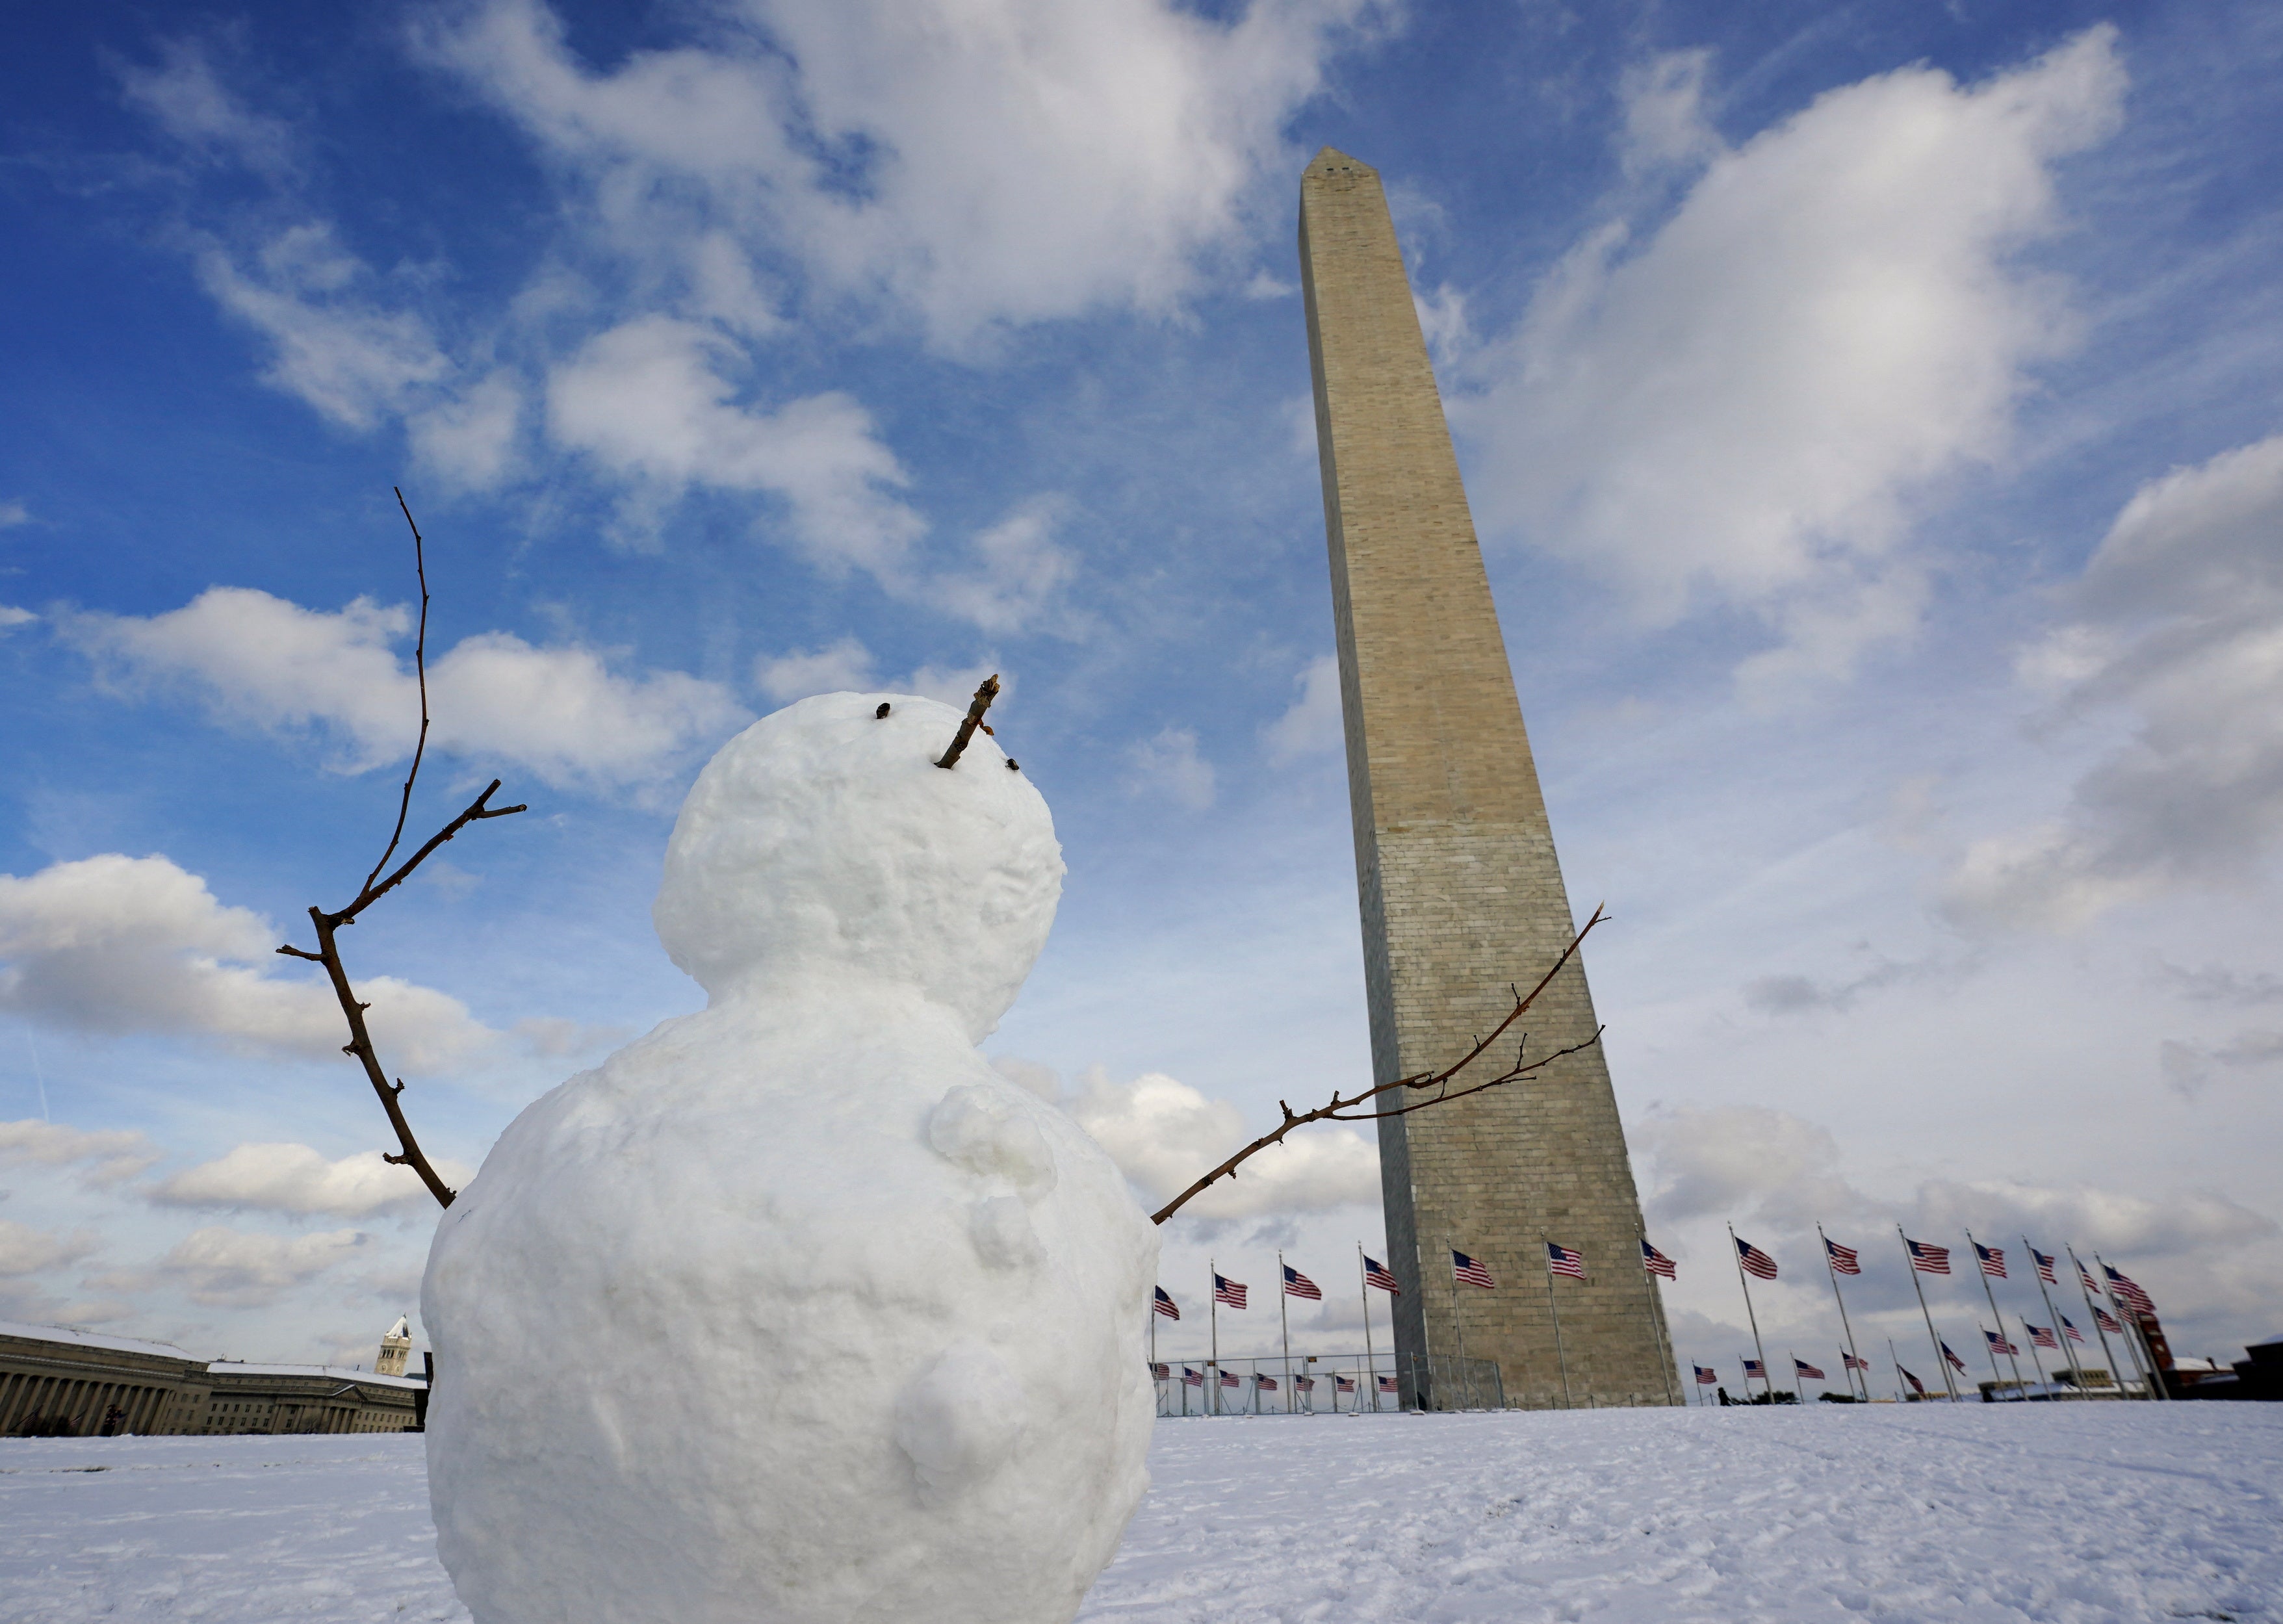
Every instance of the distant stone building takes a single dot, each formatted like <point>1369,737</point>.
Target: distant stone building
<point>78,1384</point>
<point>395,1349</point>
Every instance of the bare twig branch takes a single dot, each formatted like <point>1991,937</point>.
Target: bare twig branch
<point>983,698</point>
<point>1345,1110</point>
<point>359,1047</point>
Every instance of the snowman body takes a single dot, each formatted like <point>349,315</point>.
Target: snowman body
<point>795,1309</point>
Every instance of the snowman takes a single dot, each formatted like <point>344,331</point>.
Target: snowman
<point>795,1309</point>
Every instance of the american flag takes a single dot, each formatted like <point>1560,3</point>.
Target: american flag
<point>1192,1378</point>
<point>1844,1260</point>
<point>1999,1344</point>
<point>1753,1367</point>
<point>1163,1372</point>
<point>1992,1259</point>
<point>2042,1336</point>
<point>1387,1384</point>
<point>1956,1364</point>
<point>1297,1285</point>
<point>1805,1371</point>
<point>1916,1385</point>
<point>1164,1305</point>
<point>2086,1275</point>
<point>1705,1377</point>
<point>1306,1384</point>
<point>1471,1272</point>
<point>1229,1292</point>
<point>2107,1320</point>
<point>1266,1384</point>
<point>1657,1263</point>
<point>1850,1362</point>
<point>1560,1259</point>
<point>1229,1379</point>
<point>2126,1292</point>
<point>2045,1265</point>
<point>1375,1273</point>
<point>1755,1263</point>
<point>2071,1331</point>
<point>1927,1259</point>
<point>1344,1383</point>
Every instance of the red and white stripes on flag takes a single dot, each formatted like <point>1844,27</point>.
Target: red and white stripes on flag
<point>1805,1370</point>
<point>1162,1372</point>
<point>1754,1261</point>
<point>1562,1260</point>
<point>1375,1273</point>
<point>1344,1383</point>
<point>1705,1377</point>
<point>1387,1384</point>
<point>2042,1336</point>
<point>1999,1344</point>
<point>1992,1259</point>
<point>2107,1320</point>
<point>1229,1379</point>
<point>1916,1385</point>
<point>1297,1285</point>
<point>1471,1272</point>
<point>1164,1304</point>
<point>1266,1384</point>
<point>1844,1260</point>
<point>1927,1258</point>
<point>1656,1262</point>
<point>1229,1292</point>
<point>2126,1292</point>
<point>1849,1361</point>
<point>2045,1265</point>
<point>2071,1331</point>
<point>1955,1362</point>
<point>1192,1378</point>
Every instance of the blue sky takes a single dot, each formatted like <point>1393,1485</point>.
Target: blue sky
<point>1869,417</point>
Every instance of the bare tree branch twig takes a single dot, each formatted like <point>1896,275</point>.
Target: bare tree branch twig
<point>359,1047</point>
<point>984,695</point>
<point>1345,1110</point>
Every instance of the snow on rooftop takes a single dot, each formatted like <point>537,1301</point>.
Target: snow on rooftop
<point>235,1366</point>
<point>1917,1514</point>
<point>88,1339</point>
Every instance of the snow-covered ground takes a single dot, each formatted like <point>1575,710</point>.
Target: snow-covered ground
<point>2067,1512</point>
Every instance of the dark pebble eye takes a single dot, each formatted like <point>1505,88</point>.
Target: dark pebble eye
<point>881,712</point>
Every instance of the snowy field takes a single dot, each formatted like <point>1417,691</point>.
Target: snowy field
<point>2097,1512</point>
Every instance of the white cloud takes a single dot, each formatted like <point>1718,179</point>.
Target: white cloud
<point>977,164</point>
<point>1742,409</point>
<point>1164,1135</point>
<point>844,668</point>
<point>348,357</point>
<point>561,713</point>
<point>186,99</point>
<point>26,1251</point>
<point>470,439</point>
<point>1169,765</point>
<point>14,513</point>
<point>117,944</point>
<point>1727,1161</point>
<point>11,617</point>
<point>111,1155</point>
<point>1019,569</point>
<point>1664,104</point>
<point>648,401</point>
<point>1314,724</point>
<point>2179,625</point>
<point>226,1267</point>
<point>298,1180</point>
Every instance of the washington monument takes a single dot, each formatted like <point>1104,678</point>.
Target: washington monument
<point>1455,872</point>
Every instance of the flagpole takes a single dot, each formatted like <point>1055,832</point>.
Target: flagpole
<point>1370,1370</point>
<point>1656,1318</point>
<point>1284,1319</point>
<point>1459,1325</point>
<point>1997,1377</point>
<point>1154,1384</point>
<point>1896,1360</point>
<point>1844,1325</point>
<point>2038,1363</point>
<point>2085,1290</point>
<point>2060,1331</point>
<point>1767,1382</point>
<point>2124,1319</point>
<point>1948,1385</point>
<point>1556,1308</point>
<point>1214,1314</point>
<point>2130,1315</point>
<point>1975,1246</point>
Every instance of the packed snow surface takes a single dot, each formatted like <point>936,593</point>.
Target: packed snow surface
<point>795,1309</point>
<point>2070,1513</point>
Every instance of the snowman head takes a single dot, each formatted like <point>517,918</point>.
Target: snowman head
<point>825,839</point>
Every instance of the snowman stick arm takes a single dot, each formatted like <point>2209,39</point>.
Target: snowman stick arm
<point>358,1048</point>
<point>1439,1081</point>
<point>420,671</point>
<point>973,720</point>
<point>475,812</point>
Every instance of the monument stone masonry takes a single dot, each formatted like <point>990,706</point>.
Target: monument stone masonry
<point>1455,870</point>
